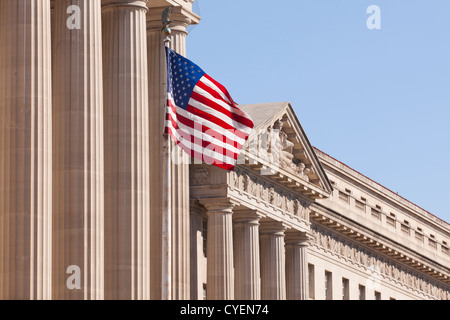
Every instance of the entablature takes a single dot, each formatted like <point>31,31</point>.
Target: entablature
<point>379,243</point>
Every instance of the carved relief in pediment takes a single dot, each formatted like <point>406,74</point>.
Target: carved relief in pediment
<point>279,146</point>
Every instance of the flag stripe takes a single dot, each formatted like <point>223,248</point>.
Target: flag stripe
<point>220,88</point>
<point>207,126</point>
<point>201,95</point>
<point>213,88</point>
<point>209,150</point>
<point>205,113</point>
<point>197,135</point>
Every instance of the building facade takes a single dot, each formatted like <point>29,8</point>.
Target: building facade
<point>82,86</point>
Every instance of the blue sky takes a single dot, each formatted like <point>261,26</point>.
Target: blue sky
<point>377,100</point>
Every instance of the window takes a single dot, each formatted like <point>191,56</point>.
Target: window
<point>360,205</point>
<point>376,213</point>
<point>311,286</point>
<point>432,243</point>
<point>328,286</point>
<point>390,219</point>
<point>419,234</point>
<point>205,235</point>
<point>345,289</point>
<point>344,196</point>
<point>204,291</point>
<point>405,227</point>
<point>362,292</point>
<point>377,295</point>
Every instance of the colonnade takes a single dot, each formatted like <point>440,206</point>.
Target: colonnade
<point>81,116</point>
<point>252,257</point>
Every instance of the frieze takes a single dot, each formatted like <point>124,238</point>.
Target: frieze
<point>263,191</point>
<point>348,250</point>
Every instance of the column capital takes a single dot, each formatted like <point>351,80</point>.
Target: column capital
<point>297,238</point>
<point>181,18</point>
<point>138,4</point>
<point>272,227</point>
<point>247,216</point>
<point>218,205</point>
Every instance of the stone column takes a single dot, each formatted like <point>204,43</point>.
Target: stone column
<point>25,150</point>
<point>273,273</point>
<point>296,265</point>
<point>182,17</point>
<point>219,249</point>
<point>78,190</point>
<point>127,158</point>
<point>247,255</point>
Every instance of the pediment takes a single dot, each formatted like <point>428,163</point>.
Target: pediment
<point>278,147</point>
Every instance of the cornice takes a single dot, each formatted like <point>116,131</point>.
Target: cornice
<point>380,190</point>
<point>378,243</point>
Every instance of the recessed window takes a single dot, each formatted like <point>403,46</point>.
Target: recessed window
<point>360,205</point>
<point>376,213</point>
<point>362,292</point>
<point>204,236</point>
<point>419,235</point>
<point>405,227</point>
<point>345,289</point>
<point>311,284</point>
<point>378,207</point>
<point>204,291</point>
<point>344,196</point>
<point>377,295</point>
<point>390,219</point>
<point>432,243</point>
<point>328,286</point>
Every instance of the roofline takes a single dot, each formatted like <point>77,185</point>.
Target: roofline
<point>387,189</point>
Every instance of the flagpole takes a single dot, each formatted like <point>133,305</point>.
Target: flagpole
<point>166,285</point>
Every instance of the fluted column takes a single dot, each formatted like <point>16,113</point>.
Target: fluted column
<point>182,17</point>
<point>296,265</point>
<point>273,273</point>
<point>247,282</point>
<point>25,150</point>
<point>78,190</point>
<point>219,249</point>
<point>127,158</point>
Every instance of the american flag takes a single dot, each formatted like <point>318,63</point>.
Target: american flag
<point>201,116</point>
